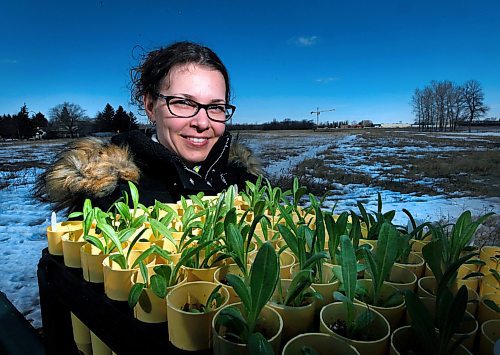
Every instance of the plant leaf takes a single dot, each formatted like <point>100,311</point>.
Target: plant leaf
<point>159,285</point>
<point>421,322</point>
<point>257,344</point>
<point>263,278</point>
<point>348,263</point>
<point>135,293</point>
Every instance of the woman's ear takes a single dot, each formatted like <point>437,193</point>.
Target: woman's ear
<point>149,104</point>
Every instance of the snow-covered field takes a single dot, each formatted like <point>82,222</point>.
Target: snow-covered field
<point>23,220</point>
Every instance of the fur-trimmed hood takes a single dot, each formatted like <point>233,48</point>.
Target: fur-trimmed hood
<point>93,168</point>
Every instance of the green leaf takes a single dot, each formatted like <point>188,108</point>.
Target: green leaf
<point>96,242</point>
<point>162,229</point>
<point>159,285</point>
<point>454,316</point>
<point>119,259</point>
<point>135,293</point>
<point>216,297</point>
<point>421,322</point>
<point>163,270</point>
<point>111,234</point>
<point>300,283</point>
<point>364,318</point>
<point>348,263</point>
<point>123,210</point>
<point>241,289</point>
<point>231,318</point>
<point>374,271</point>
<point>492,305</point>
<point>432,253</point>
<point>263,278</point>
<point>315,258</point>
<point>144,271</point>
<point>387,251</point>
<point>257,344</point>
<point>289,238</point>
<point>134,194</point>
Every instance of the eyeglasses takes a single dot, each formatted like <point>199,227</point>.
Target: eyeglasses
<point>186,108</point>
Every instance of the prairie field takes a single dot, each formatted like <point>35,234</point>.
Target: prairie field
<point>436,176</point>
<point>454,164</point>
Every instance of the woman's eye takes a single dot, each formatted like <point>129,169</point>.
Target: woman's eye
<point>183,103</point>
<point>218,108</point>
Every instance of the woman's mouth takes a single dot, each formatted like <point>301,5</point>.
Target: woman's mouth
<point>198,141</point>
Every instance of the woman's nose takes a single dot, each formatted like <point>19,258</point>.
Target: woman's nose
<point>201,120</point>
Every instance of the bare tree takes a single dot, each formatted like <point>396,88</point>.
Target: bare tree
<point>66,116</point>
<point>474,100</point>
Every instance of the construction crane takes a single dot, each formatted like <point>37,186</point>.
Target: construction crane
<point>317,112</point>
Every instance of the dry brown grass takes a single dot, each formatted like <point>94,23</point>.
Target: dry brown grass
<point>405,161</point>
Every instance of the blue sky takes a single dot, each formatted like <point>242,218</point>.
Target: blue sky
<point>285,58</point>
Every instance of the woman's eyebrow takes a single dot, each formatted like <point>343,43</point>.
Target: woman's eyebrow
<point>191,97</point>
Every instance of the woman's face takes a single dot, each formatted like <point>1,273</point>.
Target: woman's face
<point>190,138</point>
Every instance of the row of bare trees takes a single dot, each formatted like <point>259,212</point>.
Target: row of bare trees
<point>443,105</point>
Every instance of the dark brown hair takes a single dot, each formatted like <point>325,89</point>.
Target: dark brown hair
<point>155,65</point>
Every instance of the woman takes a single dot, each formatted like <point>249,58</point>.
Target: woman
<point>185,92</point>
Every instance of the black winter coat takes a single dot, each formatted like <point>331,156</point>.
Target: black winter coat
<point>99,170</point>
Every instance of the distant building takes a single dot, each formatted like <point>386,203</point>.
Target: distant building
<point>396,125</point>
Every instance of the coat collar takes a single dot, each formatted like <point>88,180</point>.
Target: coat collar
<point>149,155</point>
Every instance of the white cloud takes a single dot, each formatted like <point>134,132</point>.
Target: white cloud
<point>326,80</point>
<point>8,61</point>
<point>305,41</point>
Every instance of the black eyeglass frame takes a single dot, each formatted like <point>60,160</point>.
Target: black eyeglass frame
<point>199,106</point>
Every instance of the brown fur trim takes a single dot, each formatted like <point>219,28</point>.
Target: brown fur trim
<point>241,154</point>
<point>89,167</point>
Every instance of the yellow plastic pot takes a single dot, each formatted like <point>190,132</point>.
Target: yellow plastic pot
<point>402,278</point>
<point>415,264</point>
<point>98,346</point>
<point>71,250</point>
<point>379,329</point>
<point>490,337</point>
<point>81,335</point>
<point>486,313</point>
<point>192,331</point>
<point>269,320</point>
<point>320,342</point>
<point>117,281</point>
<point>325,289</point>
<point>394,315</point>
<point>54,236</point>
<point>403,338</point>
<point>296,320</point>
<point>91,261</point>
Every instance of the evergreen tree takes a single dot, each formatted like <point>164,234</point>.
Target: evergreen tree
<point>123,121</point>
<point>39,121</point>
<point>24,128</point>
<point>105,119</point>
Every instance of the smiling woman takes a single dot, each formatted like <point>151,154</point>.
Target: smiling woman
<point>184,90</point>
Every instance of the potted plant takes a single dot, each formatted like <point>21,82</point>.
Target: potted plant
<point>490,333</point>
<point>420,234</point>
<point>190,309</point>
<point>373,222</point>
<point>317,343</point>
<point>428,336</point>
<point>436,334</point>
<point>56,230</point>
<point>383,297</point>
<point>239,328</point>
<point>489,307</point>
<point>357,324</point>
